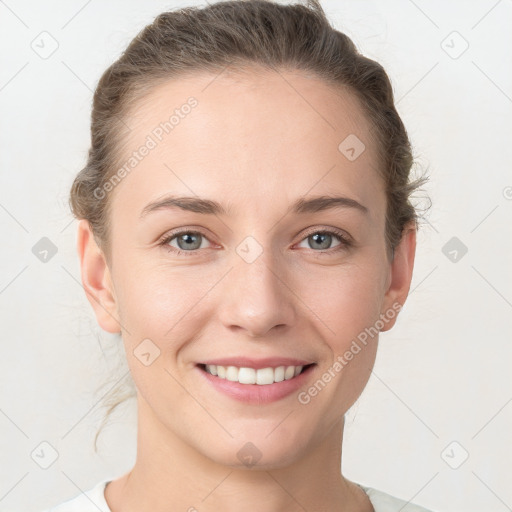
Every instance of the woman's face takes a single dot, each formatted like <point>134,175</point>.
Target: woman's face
<point>257,279</point>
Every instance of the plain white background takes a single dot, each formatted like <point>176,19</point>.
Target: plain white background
<point>441,389</point>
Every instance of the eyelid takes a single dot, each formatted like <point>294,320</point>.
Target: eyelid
<point>331,230</point>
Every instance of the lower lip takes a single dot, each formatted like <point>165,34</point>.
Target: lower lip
<point>255,393</point>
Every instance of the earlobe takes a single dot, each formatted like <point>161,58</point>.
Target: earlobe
<point>96,279</point>
<point>400,276</point>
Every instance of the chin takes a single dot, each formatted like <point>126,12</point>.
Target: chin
<point>258,452</point>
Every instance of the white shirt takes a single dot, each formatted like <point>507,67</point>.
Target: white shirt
<point>93,500</point>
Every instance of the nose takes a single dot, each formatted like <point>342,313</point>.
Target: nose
<point>256,297</point>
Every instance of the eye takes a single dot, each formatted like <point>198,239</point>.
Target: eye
<point>187,241</point>
<point>322,239</point>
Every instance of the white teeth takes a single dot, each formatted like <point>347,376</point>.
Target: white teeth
<point>265,376</point>
<point>289,372</point>
<point>279,374</point>
<point>262,377</point>
<point>232,373</point>
<point>247,376</point>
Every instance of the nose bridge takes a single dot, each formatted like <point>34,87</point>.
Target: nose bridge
<point>255,298</point>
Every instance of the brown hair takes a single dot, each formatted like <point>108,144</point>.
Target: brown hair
<point>238,34</point>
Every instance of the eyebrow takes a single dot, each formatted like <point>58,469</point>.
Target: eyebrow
<point>209,207</point>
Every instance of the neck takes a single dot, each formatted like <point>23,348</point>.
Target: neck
<point>170,472</point>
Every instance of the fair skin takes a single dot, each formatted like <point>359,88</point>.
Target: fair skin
<point>254,144</point>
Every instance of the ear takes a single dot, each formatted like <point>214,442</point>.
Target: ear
<point>96,279</point>
<point>400,276</point>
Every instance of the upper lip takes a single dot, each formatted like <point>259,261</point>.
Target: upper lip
<point>247,362</point>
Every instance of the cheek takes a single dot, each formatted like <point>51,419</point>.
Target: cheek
<point>159,311</point>
<point>170,307</point>
<point>168,304</point>
<point>346,300</point>
<point>161,303</point>
<point>348,307</point>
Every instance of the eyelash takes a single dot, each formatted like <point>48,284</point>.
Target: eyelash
<point>345,243</point>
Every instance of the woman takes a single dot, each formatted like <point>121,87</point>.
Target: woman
<point>245,224</point>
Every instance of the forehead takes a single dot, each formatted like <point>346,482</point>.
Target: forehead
<point>258,133</point>
<point>252,100</point>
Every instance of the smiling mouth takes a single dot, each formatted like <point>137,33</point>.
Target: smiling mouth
<point>260,377</point>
